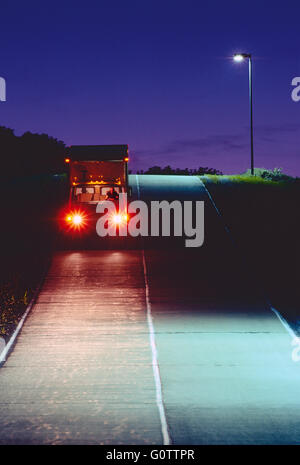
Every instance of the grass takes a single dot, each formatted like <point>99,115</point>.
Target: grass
<point>13,302</point>
<point>261,176</point>
<point>236,178</point>
<point>19,277</point>
<point>264,219</point>
<point>27,233</point>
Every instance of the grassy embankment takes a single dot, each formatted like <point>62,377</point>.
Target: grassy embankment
<point>264,219</point>
<point>28,210</point>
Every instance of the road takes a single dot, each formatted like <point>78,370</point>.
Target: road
<point>83,370</point>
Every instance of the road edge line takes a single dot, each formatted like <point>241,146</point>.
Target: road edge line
<point>284,322</point>
<point>217,210</point>
<point>155,366</point>
<point>9,346</point>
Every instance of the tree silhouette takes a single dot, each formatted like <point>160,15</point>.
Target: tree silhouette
<point>29,154</point>
<point>8,152</point>
<point>41,153</point>
<point>167,170</point>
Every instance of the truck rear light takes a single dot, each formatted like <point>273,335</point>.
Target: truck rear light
<point>76,220</point>
<point>120,218</point>
<point>117,219</point>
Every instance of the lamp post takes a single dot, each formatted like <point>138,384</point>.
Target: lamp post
<point>238,57</point>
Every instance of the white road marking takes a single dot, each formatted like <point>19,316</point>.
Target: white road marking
<point>284,322</point>
<point>217,210</point>
<point>155,366</point>
<point>7,348</point>
<point>277,313</point>
<point>9,345</point>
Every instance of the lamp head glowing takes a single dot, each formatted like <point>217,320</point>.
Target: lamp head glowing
<point>238,57</point>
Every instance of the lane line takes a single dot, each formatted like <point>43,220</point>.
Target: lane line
<point>155,366</point>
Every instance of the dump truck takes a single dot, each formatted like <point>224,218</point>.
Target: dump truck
<point>96,173</point>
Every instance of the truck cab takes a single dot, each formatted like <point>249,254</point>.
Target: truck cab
<point>93,171</point>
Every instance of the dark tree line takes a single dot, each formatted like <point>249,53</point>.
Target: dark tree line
<point>32,154</point>
<point>29,154</point>
<point>167,170</point>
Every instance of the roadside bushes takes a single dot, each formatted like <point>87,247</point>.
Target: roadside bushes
<point>28,230</point>
<point>271,175</point>
<point>168,170</point>
<point>31,191</point>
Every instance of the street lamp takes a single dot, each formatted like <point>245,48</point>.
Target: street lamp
<point>239,57</point>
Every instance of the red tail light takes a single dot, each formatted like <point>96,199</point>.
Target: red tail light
<point>120,218</point>
<point>76,219</point>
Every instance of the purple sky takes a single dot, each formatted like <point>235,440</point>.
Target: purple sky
<point>158,76</point>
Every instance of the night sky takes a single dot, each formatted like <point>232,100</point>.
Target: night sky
<point>158,76</point>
